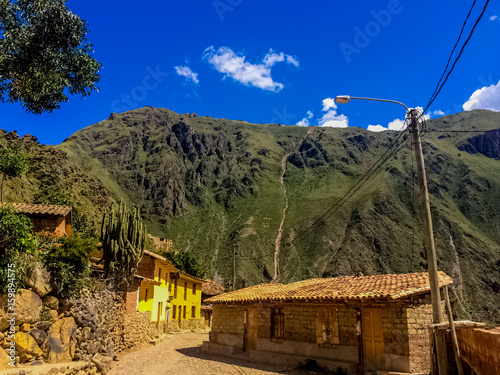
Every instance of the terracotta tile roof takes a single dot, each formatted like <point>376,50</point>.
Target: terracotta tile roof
<point>41,209</point>
<point>163,260</point>
<point>346,287</point>
<point>211,288</point>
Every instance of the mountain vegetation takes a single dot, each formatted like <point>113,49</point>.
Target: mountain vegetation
<point>246,199</point>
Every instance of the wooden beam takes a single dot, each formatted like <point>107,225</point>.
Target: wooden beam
<point>454,340</point>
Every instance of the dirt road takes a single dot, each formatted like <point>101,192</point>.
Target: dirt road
<point>181,354</point>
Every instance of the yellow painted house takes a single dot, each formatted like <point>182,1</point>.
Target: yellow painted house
<point>150,289</point>
<point>186,302</point>
<point>173,297</point>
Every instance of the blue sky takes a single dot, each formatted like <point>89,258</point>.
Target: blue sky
<point>277,61</point>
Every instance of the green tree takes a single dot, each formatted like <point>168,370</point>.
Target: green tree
<point>15,232</point>
<point>185,261</point>
<point>13,163</point>
<point>43,53</point>
<point>123,236</point>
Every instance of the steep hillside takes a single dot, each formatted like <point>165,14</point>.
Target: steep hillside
<point>53,178</point>
<point>233,191</point>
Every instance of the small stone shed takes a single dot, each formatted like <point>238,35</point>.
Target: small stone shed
<point>47,218</point>
<point>369,322</point>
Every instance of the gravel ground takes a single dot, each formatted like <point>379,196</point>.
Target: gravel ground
<point>181,354</point>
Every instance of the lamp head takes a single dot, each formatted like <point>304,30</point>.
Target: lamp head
<point>342,99</point>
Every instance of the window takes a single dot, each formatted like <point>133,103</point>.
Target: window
<point>277,323</point>
<point>185,290</point>
<point>184,313</point>
<point>327,326</point>
<point>175,289</point>
<point>174,310</point>
<point>159,275</point>
<point>146,294</point>
<point>193,312</point>
<point>194,288</point>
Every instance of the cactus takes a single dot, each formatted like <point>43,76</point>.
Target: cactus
<point>123,236</point>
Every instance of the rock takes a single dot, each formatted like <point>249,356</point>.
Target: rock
<point>93,347</point>
<point>4,360</point>
<point>28,307</point>
<point>1,336</point>
<point>25,327</point>
<point>51,302</point>
<point>36,363</point>
<point>109,350</point>
<point>39,280</point>
<point>27,347</point>
<point>39,335</point>
<point>103,362</point>
<point>43,325</point>
<point>55,352</point>
<point>64,329</point>
<point>52,315</point>
<point>61,341</point>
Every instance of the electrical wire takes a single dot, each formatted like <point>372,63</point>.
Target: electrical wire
<point>344,198</point>
<point>438,90</point>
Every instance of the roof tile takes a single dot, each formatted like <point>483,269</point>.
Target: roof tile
<point>345,287</point>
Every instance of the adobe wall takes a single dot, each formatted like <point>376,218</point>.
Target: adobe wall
<point>146,267</point>
<point>480,349</point>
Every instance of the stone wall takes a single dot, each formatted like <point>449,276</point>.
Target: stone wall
<point>138,329</point>
<point>228,320</point>
<point>480,349</point>
<point>92,328</point>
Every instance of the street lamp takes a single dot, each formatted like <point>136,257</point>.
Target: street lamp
<point>413,115</point>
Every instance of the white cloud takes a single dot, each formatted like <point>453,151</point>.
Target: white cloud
<point>305,120</point>
<point>487,97</point>
<point>438,112</point>
<point>272,58</point>
<point>493,18</point>
<point>396,124</point>
<point>187,72</point>
<point>225,61</point>
<point>376,128</point>
<point>329,103</point>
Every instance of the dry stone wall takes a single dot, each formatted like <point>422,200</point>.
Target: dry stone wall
<point>91,328</point>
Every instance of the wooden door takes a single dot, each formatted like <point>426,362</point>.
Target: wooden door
<point>373,339</point>
<point>251,329</point>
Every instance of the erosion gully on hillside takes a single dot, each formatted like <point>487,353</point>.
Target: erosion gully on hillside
<point>280,231</point>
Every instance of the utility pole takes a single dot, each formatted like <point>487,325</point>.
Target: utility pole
<point>234,266</point>
<point>439,337</point>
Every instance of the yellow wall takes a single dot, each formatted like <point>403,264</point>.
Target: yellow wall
<point>188,302</point>
<point>156,294</point>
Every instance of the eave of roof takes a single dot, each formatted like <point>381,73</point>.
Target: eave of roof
<point>40,209</point>
<point>364,288</point>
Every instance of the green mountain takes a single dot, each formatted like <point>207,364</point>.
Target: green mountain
<point>217,188</point>
<point>53,178</point>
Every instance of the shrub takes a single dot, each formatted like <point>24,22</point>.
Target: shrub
<point>186,262</point>
<point>69,264</point>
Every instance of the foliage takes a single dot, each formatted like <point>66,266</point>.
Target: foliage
<point>13,163</point>
<point>21,263</point>
<point>186,262</point>
<point>68,263</point>
<point>15,233</point>
<point>123,236</point>
<point>43,53</point>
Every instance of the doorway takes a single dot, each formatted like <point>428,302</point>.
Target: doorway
<point>373,339</point>
<point>251,327</point>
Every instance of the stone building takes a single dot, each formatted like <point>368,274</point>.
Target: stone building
<point>209,289</point>
<point>47,218</point>
<point>369,322</point>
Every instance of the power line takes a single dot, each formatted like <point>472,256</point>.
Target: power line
<point>438,86</point>
<point>464,131</point>
<point>342,200</point>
